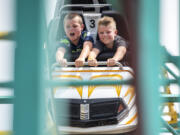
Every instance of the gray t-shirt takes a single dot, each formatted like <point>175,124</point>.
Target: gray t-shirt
<point>118,41</point>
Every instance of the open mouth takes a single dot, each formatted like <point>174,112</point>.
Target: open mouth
<point>72,34</point>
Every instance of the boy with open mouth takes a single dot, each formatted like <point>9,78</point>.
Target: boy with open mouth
<point>77,43</point>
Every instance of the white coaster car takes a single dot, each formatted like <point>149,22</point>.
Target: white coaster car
<point>95,109</point>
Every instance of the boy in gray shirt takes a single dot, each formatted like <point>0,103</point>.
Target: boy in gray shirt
<point>109,42</point>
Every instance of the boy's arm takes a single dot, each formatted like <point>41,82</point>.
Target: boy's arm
<point>93,54</point>
<point>92,57</point>
<point>120,52</point>
<point>60,56</point>
<point>87,46</point>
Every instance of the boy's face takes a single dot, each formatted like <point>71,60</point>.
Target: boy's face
<point>107,34</point>
<point>73,29</point>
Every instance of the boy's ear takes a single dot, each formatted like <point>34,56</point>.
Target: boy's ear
<point>116,31</point>
<point>82,26</point>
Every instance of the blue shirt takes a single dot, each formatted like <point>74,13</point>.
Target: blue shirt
<point>73,51</point>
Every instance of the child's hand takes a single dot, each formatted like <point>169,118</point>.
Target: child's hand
<point>79,62</point>
<point>63,62</point>
<point>111,62</point>
<point>92,62</point>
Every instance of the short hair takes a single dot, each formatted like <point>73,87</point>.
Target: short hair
<point>106,20</point>
<point>71,16</point>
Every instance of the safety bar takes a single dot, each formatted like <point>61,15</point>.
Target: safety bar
<point>86,64</point>
<point>99,63</point>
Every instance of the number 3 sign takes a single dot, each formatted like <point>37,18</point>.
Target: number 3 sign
<point>91,21</point>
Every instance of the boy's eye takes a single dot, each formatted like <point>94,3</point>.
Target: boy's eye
<point>101,33</point>
<point>108,32</point>
<point>74,26</point>
<point>67,26</point>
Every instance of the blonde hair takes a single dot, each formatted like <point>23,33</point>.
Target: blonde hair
<point>71,16</point>
<point>106,20</point>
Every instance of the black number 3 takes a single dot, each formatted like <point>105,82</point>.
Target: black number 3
<point>92,25</point>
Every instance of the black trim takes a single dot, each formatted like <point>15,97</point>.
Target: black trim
<point>102,111</point>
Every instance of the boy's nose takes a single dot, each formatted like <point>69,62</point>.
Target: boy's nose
<point>71,28</point>
<point>105,34</point>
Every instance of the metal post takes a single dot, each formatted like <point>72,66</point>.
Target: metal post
<point>149,65</point>
<point>26,106</point>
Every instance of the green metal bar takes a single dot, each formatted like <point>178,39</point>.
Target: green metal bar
<point>167,131</point>
<point>44,127</point>
<point>149,66</point>
<point>6,99</point>
<point>6,84</point>
<point>170,71</point>
<point>26,103</point>
<point>56,83</point>
<point>169,81</point>
<point>174,59</point>
<point>169,57</point>
<point>170,98</point>
<point>176,124</point>
<point>169,127</point>
<point>7,35</point>
<point>102,82</point>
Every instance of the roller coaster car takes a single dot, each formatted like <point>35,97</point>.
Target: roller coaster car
<point>93,109</point>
